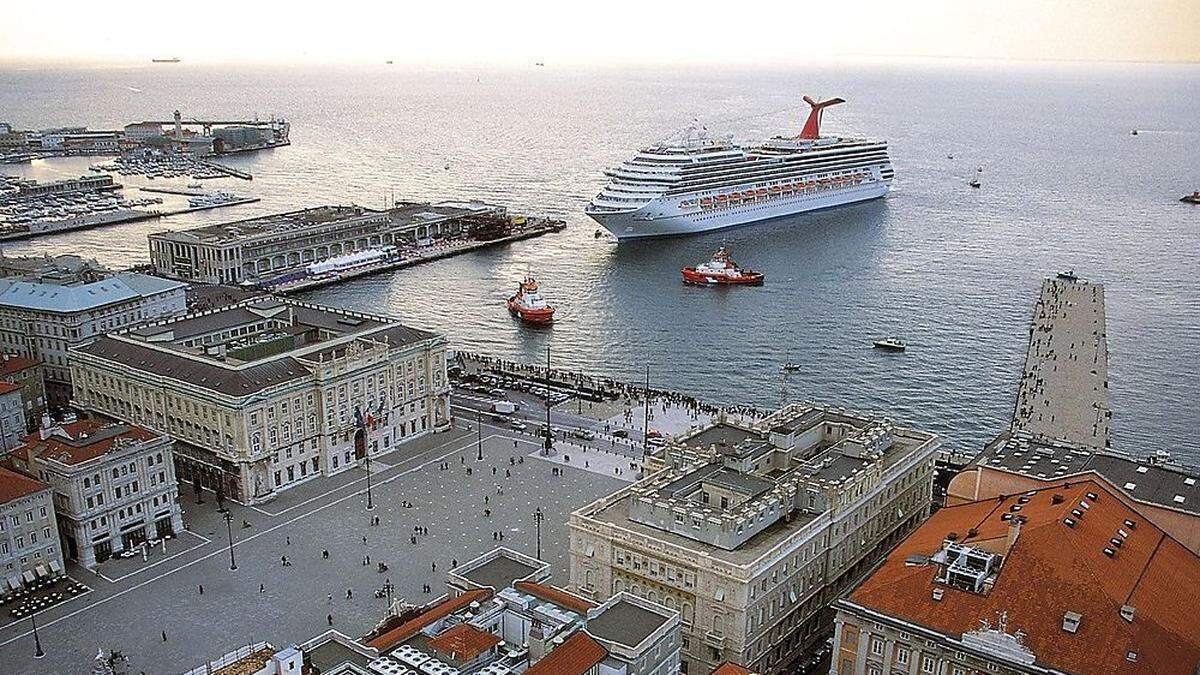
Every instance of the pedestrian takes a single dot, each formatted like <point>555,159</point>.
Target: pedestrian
<point>164,636</point>
<point>325,554</point>
<point>329,598</point>
<point>200,587</point>
<point>262,588</point>
<point>433,565</point>
<point>329,619</point>
<point>364,539</point>
<point>289,541</point>
<point>349,594</point>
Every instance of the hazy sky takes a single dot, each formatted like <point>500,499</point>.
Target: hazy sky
<point>607,31</point>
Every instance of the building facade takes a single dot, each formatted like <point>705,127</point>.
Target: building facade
<point>43,316</point>
<point>27,374</point>
<point>114,485</point>
<point>268,393</point>
<point>12,417</point>
<point>751,531</point>
<point>29,545</point>
<point>269,246</point>
<point>1068,578</point>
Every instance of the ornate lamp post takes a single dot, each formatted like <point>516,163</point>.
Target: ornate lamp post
<point>229,531</point>
<point>37,640</point>
<point>538,517</point>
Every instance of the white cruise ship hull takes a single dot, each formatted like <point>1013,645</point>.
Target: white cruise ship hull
<point>669,216</point>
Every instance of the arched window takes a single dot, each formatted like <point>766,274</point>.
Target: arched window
<point>688,612</point>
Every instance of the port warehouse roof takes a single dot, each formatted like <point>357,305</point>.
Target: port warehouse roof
<point>288,223</point>
<point>66,299</point>
<point>157,348</point>
<point>1053,569</point>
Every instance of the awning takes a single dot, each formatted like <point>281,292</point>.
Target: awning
<point>41,571</point>
<point>55,567</point>
<point>27,575</point>
<point>14,580</point>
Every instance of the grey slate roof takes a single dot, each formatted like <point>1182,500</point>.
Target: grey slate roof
<point>625,623</point>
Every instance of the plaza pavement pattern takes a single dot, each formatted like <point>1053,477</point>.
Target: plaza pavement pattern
<point>162,594</point>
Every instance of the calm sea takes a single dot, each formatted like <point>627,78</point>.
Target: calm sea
<point>952,270</point>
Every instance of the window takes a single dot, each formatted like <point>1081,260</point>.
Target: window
<point>927,664</point>
<point>877,646</point>
<point>902,656</point>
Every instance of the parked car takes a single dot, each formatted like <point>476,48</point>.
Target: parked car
<point>621,433</point>
<point>585,434</point>
<point>519,425</point>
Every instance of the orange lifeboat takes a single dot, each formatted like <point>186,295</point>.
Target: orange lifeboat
<point>528,305</point>
<point>721,270</point>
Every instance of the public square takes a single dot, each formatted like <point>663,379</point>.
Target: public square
<point>134,603</point>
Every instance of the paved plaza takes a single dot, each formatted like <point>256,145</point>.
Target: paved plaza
<point>134,602</point>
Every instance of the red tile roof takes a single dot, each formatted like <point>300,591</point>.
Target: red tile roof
<point>464,642</point>
<point>555,595</point>
<point>6,387</point>
<point>391,638</point>
<point>1052,569</point>
<point>731,668</point>
<point>579,654</point>
<point>75,447</point>
<point>13,364</point>
<point>14,485</point>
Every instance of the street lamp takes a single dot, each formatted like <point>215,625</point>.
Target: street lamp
<point>549,431</point>
<point>37,641</point>
<point>479,434</point>
<point>370,503</point>
<point>646,425</point>
<point>538,517</point>
<point>229,531</point>
<point>388,587</point>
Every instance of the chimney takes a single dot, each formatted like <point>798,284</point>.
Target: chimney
<point>1014,531</point>
<point>537,643</point>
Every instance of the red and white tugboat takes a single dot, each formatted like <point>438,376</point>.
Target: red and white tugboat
<point>721,270</point>
<point>528,305</point>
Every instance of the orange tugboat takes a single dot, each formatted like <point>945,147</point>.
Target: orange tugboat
<point>721,270</point>
<point>528,305</point>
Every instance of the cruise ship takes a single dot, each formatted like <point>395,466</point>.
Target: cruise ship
<point>698,183</point>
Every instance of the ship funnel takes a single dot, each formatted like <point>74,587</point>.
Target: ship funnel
<point>812,127</point>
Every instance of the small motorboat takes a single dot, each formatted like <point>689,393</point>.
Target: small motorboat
<point>598,234</point>
<point>789,367</point>
<point>1068,275</point>
<point>528,305</point>
<point>1134,132</point>
<point>890,344</point>
<point>721,270</point>
<point>1193,198</point>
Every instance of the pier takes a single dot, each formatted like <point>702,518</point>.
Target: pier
<point>1063,392</point>
<point>532,228</point>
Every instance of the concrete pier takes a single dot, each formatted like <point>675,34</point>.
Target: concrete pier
<point>1063,393</point>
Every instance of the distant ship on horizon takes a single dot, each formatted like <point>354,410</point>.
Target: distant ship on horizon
<point>173,59</point>
<point>697,183</point>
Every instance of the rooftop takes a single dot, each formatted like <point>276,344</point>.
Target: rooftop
<point>433,613</point>
<point>14,485</point>
<point>1152,480</point>
<point>292,222</point>
<point>625,622</point>
<point>1087,584</point>
<point>575,656</point>
<point>11,364</point>
<point>555,596</point>
<point>499,569</point>
<point>83,440</point>
<point>63,299</point>
<point>250,346</point>
<point>248,665</point>
<point>464,642</point>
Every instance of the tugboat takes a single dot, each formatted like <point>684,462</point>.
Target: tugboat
<point>721,270</point>
<point>890,344</point>
<point>1193,198</point>
<point>528,305</point>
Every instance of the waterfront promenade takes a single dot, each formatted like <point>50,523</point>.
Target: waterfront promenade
<point>1063,393</point>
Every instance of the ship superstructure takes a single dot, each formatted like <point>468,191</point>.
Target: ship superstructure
<point>697,183</point>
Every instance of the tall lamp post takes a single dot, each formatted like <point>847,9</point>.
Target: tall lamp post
<point>229,531</point>
<point>479,435</point>
<point>370,503</point>
<point>37,640</point>
<point>549,431</point>
<point>538,517</point>
<point>646,425</point>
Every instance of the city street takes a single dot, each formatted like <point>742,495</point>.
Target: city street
<point>135,603</point>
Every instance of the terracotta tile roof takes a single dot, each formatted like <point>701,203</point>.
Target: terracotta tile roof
<point>14,485</point>
<point>555,595</point>
<point>83,440</point>
<point>390,638</point>
<point>1052,569</point>
<point>14,364</point>
<point>464,642</point>
<point>6,387</point>
<point>731,668</point>
<point>579,654</point>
